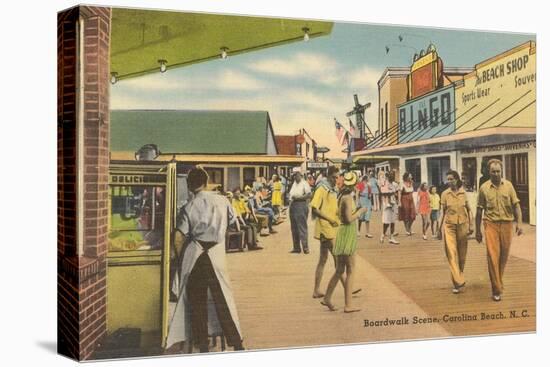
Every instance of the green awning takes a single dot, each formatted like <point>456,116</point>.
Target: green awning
<point>191,132</point>
<point>139,37</point>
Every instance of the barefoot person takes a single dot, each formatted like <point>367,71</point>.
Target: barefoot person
<point>498,205</point>
<point>456,225</point>
<point>203,277</point>
<point>345,245</point>
<point>324,206</point>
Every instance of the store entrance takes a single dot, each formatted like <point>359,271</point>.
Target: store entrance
<point>437,171</point>
<point>517,173</point>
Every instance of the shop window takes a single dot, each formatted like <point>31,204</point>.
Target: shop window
<point>413,167</point>
<point>469,174</point>
<point>136,219</point>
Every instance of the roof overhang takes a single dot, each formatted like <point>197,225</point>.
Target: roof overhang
<point>142,37</point>
<point>373,158</point>
<point>216,158</point>
<point>462,141</point>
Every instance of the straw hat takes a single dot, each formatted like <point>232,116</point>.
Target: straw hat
<point>229,195</point>
<point>350,178</point>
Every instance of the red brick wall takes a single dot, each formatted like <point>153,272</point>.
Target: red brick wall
<point>82,277</point>
<point>286,144</point>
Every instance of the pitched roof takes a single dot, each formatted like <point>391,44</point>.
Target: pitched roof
<point>192,131</point>
<point>286,144</point>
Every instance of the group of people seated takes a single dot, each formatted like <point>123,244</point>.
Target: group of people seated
<point>257,210</point>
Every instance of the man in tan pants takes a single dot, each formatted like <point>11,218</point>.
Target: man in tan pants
<point>498,205</point>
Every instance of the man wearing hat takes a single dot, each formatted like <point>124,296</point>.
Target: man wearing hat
<point>299,194</point>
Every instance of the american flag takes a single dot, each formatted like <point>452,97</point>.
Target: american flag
<point>351,128</point>
<point>345,141</point>
<point>339,130</point>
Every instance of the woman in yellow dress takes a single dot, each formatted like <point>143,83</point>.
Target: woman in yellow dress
<point>276,193</point>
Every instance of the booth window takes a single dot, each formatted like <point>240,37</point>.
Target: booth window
<point>136,218</point>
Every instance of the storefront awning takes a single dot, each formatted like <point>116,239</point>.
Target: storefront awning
<point>463,141</point>
<point>372,158</point>
<point>216,158</point>
<point>140,37</point>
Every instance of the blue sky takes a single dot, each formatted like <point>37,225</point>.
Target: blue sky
<point>307,84</point>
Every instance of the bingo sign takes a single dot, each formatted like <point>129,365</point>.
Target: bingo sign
<point>429,116</point>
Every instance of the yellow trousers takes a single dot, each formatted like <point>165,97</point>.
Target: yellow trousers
<point>456,247</point>
<point>498,238</point>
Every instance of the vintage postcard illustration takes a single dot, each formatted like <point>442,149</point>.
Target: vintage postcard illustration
<point>230,183</point>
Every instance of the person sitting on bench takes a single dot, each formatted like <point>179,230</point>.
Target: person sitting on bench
<point>254,206</point>
<point>240,211</point>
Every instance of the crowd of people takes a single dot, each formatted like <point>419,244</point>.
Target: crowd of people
<point>341,203</point>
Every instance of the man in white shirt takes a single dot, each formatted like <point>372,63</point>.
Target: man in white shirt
<point>299,195</point>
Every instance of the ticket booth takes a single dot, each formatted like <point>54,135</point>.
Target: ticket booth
<point>142,204</point>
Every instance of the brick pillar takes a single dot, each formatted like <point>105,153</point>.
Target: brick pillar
<point>82,272</point>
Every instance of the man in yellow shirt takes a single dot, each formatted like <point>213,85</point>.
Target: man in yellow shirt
<point>324,206</point>
<point>497,204</point>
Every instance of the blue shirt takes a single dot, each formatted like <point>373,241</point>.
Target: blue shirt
<point>373,185</point>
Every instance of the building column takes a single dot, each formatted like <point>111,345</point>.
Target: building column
<point>83,164</point>
<point>453,161</point>
<point>423,169</point>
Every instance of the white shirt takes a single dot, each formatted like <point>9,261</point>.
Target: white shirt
<point>207,216</point>
<point>299,190</point>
